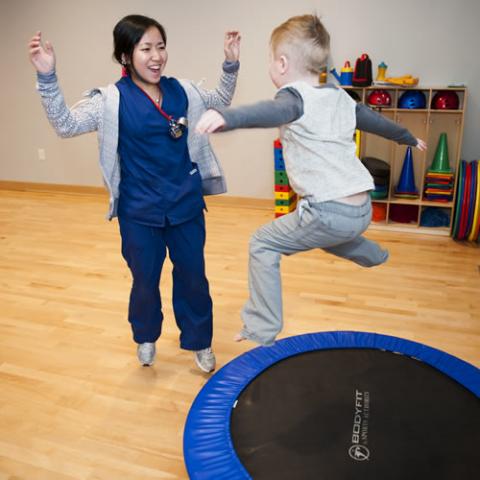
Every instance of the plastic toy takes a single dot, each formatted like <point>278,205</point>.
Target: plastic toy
<point>285,197</point>
<point>466,195</point>
<point>472,199</point>
<point>440,162</point>
<point>346,74</point>
<point>381,72</point>
<point>406,185</point>
<point>405,81</point>
<point>474,233</point>
<point>322,77</point>
<point>362,75</point>
<point>459,198</point>
<point>358,142</point>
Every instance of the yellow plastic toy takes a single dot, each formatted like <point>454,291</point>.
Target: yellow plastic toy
<point>382,70</point>
<point>405,81</point>
<point>357,143</point>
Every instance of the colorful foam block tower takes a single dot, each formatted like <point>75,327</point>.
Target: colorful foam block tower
<point>285,197</point>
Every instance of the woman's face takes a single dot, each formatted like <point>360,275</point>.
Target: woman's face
<point>149,57</point>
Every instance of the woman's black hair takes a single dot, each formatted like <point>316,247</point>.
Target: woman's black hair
<point>128,32</point>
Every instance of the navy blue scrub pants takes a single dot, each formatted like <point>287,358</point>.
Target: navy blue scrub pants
<point>144,249</point>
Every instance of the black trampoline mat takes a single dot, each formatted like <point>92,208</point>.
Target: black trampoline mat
<point>356,414</point>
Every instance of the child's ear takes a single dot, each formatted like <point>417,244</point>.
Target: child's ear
<point>283,61</point>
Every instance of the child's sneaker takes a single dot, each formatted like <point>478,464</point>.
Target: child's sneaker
<point>146,353</point>
<point>205,359</point>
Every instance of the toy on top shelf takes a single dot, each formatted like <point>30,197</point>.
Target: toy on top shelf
<point>381,72</point>
<point>322,77</point>
<point>404,81</point>
<point>362,75</point>
<point>346,75</point>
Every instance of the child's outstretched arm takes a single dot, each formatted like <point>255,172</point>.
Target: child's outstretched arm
<point>83,117</point>
<point>283,109</point>
<point>287,107</point>
<point>370,121</point>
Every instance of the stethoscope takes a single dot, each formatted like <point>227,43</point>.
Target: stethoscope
<point>176,127</point>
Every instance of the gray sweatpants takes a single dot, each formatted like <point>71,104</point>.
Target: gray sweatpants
<point>333,226</point>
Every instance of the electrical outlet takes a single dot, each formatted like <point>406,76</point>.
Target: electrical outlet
<point>41,154</point>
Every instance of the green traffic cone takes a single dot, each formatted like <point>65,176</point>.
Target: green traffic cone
<point>440,162</point>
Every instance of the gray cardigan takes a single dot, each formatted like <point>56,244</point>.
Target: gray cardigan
<point>99,111</point>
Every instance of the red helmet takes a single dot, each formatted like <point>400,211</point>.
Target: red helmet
<point>379,98</point>
<point>445,100</point>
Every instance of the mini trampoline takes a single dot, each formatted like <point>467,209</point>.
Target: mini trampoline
<point>336,406</point>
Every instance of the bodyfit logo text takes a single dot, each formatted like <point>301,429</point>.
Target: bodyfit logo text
<point>359,450</point>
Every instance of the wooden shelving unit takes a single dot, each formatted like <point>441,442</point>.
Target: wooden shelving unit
<point>427,124</point>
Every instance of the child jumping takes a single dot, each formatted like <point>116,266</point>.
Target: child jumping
<point>317,125</point>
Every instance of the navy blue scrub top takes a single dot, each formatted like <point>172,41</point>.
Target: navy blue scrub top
<point>159,183</point>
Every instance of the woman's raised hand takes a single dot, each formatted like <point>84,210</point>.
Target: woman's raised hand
<point>41,56</point>
<point>231,46</point>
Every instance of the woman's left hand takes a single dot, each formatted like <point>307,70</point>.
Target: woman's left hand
<point>231,46</point>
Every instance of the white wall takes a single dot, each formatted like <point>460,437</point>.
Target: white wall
<point>436,40</point>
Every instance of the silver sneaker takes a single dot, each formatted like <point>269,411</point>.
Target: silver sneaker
<point>146,353</point>
<point>205,359</point>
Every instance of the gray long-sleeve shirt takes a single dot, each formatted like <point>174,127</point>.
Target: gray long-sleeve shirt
<point>287,106</point>
<point>316,129</point>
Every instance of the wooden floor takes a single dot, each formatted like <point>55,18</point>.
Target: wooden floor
<point>74,403</point>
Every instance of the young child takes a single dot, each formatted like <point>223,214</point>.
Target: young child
<point>317,127</point>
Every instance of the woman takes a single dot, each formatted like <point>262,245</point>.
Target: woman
<point>156,172</point>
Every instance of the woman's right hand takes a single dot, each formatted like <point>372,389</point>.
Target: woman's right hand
<point>41,57</point>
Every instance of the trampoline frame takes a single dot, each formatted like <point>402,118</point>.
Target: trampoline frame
<point>207,444</point>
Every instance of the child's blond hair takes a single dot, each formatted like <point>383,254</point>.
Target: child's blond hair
<point>306,39</point>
